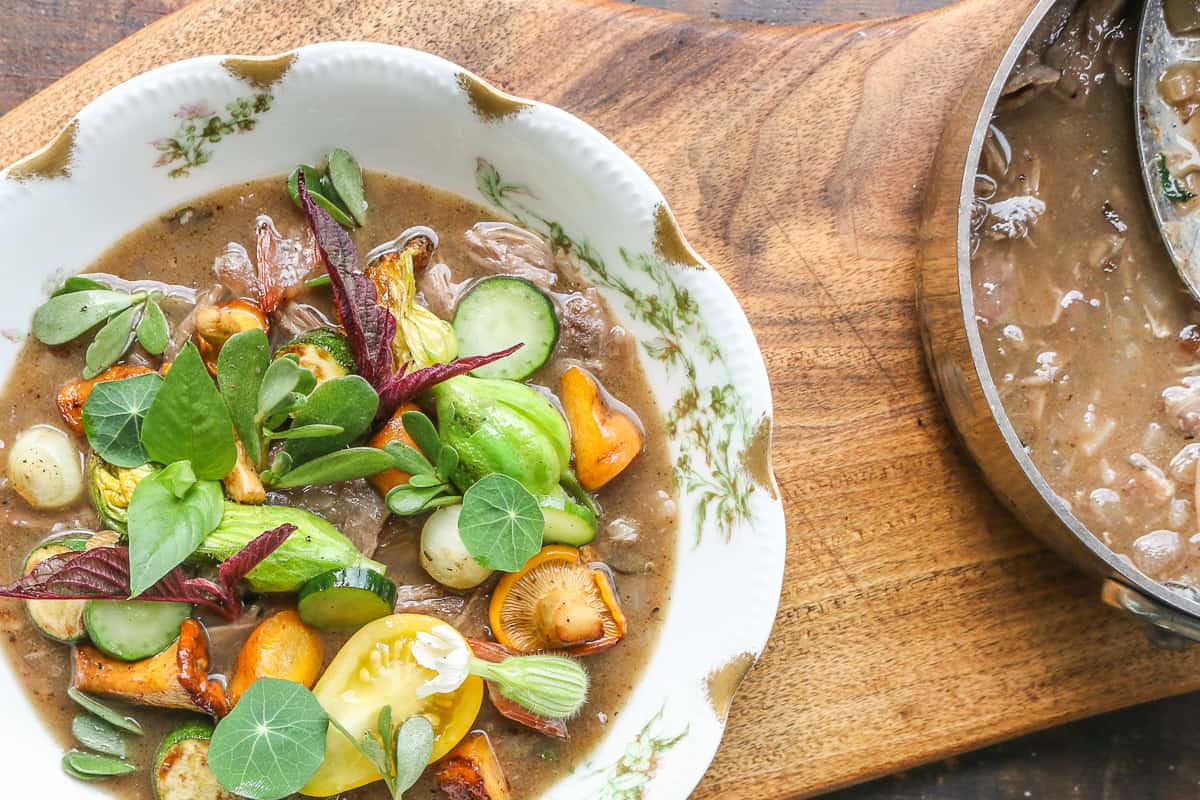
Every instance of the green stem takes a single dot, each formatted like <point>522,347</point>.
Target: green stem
<point>572,485</point>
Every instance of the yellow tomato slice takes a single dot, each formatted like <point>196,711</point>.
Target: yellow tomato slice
<point>373,669</point>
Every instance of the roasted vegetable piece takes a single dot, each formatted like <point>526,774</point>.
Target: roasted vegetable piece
<point>215,324</point>
<point>43,466</point>
<point>324,353</point>
<point>243,484</point>
<point>422,338</point>
<point>181,770</point>
<point>471,771</point>
<point>606,439</point>
<point>315,546</point>
<point>150,682</point>
<point>376,668</point>
<point>392,431</point>
<point>503,426</point>
<point>73,394</point>
<point>282,646</point>
<point>110,489</point>
<point>192,661</point>
<point>558,601</point>
<point>60,620</point>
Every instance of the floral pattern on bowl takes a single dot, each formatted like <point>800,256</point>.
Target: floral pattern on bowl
<point>210,122</point>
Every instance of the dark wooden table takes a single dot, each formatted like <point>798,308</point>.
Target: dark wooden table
<point>1143,753</point>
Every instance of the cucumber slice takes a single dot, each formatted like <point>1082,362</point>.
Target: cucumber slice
<point>181,770</point>
<point>60,620</point>
<point>346,599</point>
<point>134,629</point>
<point>500,312</point>
<point>567,522</point>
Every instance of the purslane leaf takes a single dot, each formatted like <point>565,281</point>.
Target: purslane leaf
<point>422,431</point>
<point>409,459</point>
<point>335,467</point>
<point>113,416</point>
<point>241,366</point>
<point>153,332</point>
<point>189,421</point>
<point>348,402</point>
<point>110,343</point>
<point>67,316</point>
<point>79,283</point>
<point>313,431</point>
<point>414,747</point>
<point>169,516</point>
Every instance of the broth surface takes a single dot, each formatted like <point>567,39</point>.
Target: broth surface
<point>637,530</point>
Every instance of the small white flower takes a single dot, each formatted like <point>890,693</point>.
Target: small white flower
<point>445,652</point>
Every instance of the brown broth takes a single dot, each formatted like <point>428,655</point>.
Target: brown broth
<point>183,254</point>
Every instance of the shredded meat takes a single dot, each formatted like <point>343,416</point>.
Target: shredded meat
<point>294,318</point>
<point>431,599</point>
<point>1182,403</point>
<point>504,248</point>
<point>353,507</point>
<point>284,263</point>
<point>438,290</point>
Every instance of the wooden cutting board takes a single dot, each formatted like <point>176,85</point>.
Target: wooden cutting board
<point>917,619</point>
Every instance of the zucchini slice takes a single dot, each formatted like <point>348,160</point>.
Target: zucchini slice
<point>326,354</point>
<point>346,599</point>
<point>500,312</point>
<point>134,629</point>
<point>567,522</point>
<point>60,620</point>
<point>181,770</point>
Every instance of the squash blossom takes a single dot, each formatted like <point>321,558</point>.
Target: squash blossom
<point>422,338</point>
<point>503,426</point>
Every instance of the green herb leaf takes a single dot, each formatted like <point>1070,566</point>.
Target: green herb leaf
<point>318,282</point>
<point>409,459</point>
<point>447,462</point>
<point>278,393</point>
<point>89,766</point>
<point>96,734</point>
<point>346,177</point>
<point>67,316</point>
<point>407,500</point>
<point>384,724</point>
<point>335,467</point>
<point>501,523</point>
<point>314,182</point>
<point>112,717</point>
<point>241,366</point>
<point>113,416</point>
<point>1173,188</point>
<point>414,747</point>
<point>349,402</point>
<point>110,343</point>
<point>425,481</point>
<point>79,283</point>
<point>170,513</point>
<point>189,421</point>
<point>153,331</point>
<point>421,429</point>
<point>271,743</point>
<point>314,431</point>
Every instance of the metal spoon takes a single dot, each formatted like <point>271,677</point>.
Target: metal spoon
<point>1160,129</point>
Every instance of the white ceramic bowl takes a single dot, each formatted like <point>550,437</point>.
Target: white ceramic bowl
<point>136,153</point>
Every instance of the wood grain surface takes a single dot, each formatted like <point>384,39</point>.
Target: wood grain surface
<point>917,619</point>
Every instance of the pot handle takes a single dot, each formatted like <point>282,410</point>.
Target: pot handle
<point>1165,627</point>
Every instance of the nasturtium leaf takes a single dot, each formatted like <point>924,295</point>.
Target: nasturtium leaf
<point>189,421</point>
<point>96,734</point>
<point>79,283</point>
<point>113,416</point>
<point>272,741</point>
<point>153,332</point>
<point>335,467</point>
<point>170,514</point>
<point>414,747</point>
<point>349,402</point>
<point>241,365</point>
<point>110,343</point>
<point>62,318</point>
<point>501,524</point>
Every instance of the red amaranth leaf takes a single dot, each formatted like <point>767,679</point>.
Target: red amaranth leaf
<point>370,327</point>
<point>103,574</point>
<point>404,386</point>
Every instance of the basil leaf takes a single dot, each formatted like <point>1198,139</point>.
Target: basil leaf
<point>63,318</point>
<point>113,416</point>
<point>341,465</point>
<point>314,431</point>
<point>271,743</point>
<point>153,332</point>
<point>279,383</point>
<point>346,178</point>
<point>78,283</point>
<point>188,420</point>
<point>110,343</point>
<point>170,513</point>
<point>91,704</point>
<point>409,459</point>
<point>241,367</point>
<point>349,402</point>
<point>421,430</point>
<point>96,734</point>
<point>414,747</point>
<point>501,524</point>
